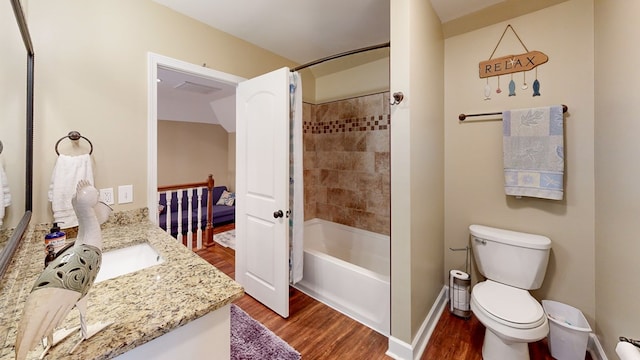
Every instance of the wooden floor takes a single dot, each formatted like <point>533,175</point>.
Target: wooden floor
<point>457,338</point>
<point>319,332</point>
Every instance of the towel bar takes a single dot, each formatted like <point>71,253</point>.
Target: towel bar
<point>75,136</point>
<point>462,117</point>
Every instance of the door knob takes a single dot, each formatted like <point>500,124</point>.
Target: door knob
<point>278,214</point>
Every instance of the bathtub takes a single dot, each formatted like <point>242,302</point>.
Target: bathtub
<point>348,269</point>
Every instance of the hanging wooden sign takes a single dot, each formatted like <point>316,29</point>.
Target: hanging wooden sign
<point>512,64</point>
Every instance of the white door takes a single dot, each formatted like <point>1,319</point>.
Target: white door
<point>262,189</point>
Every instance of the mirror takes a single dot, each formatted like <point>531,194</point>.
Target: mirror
<point>16,125</point>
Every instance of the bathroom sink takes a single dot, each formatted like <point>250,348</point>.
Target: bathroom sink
<point>126,260</point>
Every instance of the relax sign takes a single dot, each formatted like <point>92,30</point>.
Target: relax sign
<point>512,64</point>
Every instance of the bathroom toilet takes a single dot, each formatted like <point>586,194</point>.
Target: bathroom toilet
<point>512,263</point>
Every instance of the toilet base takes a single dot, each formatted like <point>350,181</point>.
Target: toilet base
<point>494,348</point>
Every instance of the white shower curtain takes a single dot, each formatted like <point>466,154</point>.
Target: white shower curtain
<point>296,188</point>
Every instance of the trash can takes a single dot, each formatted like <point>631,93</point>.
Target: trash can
<point>568,331</point>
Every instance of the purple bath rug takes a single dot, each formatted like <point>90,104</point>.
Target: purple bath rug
<point>250,340</point>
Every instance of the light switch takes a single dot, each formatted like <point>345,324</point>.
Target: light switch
<point>125,194</point>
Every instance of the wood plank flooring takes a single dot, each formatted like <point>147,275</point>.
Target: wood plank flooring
<point>457,338</point>
<point>319,332</point>
<point>314,329</point>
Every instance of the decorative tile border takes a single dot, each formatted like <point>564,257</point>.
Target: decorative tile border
<point>347,125</point>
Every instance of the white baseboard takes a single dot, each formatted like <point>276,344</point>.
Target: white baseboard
<point>595,348</point>
<point>400,350</point>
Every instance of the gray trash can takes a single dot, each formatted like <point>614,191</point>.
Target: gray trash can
<point>568,331</point>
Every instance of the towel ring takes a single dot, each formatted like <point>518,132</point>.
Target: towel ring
<point>75,136</point>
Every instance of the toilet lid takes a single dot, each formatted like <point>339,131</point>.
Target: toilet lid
<point>511,305</point>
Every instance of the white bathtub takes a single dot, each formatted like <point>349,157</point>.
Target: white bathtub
<point>348,269</point>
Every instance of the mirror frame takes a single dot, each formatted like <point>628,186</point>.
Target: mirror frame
<point>18,233</point>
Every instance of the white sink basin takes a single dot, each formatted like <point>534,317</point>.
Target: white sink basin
<point>626,351</point>
<point>127,260</point>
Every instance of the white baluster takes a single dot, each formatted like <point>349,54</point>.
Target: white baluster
<point>179,196</point>
<point>199,231</point>
<point>157,211</point>
<point>169,197</point>
<point>189,219</point>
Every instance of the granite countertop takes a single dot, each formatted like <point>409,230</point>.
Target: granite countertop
<point>143,305</point>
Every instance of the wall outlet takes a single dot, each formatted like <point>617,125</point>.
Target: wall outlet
<point>106,196</point>
<point>125,194</point>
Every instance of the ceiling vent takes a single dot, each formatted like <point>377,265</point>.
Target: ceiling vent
<point>197,88</point>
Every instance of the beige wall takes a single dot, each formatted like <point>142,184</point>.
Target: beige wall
<point>91,76</point>
<point>499,11</point>
<point>188,152</point>
<point>347,77</point>
<point>308,86</point>
<point>231,171</point>
<point>417,154</point>
<point>365,79</point>
<point>617,147</point>
<point>474,192</point>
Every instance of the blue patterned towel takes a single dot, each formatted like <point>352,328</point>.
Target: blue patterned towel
<point>533,147</point>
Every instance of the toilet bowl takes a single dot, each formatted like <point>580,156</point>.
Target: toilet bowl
<point>512,317</point>
<point>513,263</point>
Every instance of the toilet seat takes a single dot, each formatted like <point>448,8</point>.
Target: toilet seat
<point>508,305</point>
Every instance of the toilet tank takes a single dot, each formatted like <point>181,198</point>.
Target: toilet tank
<point>509,257</point>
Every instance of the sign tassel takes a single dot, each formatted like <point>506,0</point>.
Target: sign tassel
<point>536,85</point>
<point>512,87</point>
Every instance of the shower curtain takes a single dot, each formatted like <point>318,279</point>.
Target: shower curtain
<point>296,188</point>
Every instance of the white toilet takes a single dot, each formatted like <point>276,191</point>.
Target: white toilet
<point>513,263</point>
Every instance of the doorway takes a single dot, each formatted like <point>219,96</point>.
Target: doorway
<point>225,83</point>
<point>157,62</point>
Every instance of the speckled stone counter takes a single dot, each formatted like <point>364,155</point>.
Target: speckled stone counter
<point>143,305</point>
<point>4,236</point>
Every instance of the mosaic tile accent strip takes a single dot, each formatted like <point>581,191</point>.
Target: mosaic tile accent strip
<point>381,122</point>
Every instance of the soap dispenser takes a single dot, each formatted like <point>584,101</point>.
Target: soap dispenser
<point>56,237</point>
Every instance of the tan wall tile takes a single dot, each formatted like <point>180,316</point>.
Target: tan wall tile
<point>355,141</point>
<point>346,162</point>
<point>359,161</point>
<point>309,142</point>
<point>382,162</point>
<point>378,141</point>
<point>309,160</point>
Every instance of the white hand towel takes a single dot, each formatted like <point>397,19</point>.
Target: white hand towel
<point>533,146</point>
<point>67,172</point>
<point>5,193</point>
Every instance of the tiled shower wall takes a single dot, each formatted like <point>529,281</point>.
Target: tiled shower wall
<point>346,162</point>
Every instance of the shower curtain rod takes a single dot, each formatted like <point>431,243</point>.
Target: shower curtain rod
<point>315,62</point>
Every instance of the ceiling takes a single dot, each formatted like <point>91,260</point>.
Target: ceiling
<point>304,31</point>
<point>185,97</point>
<point>301,31</point>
